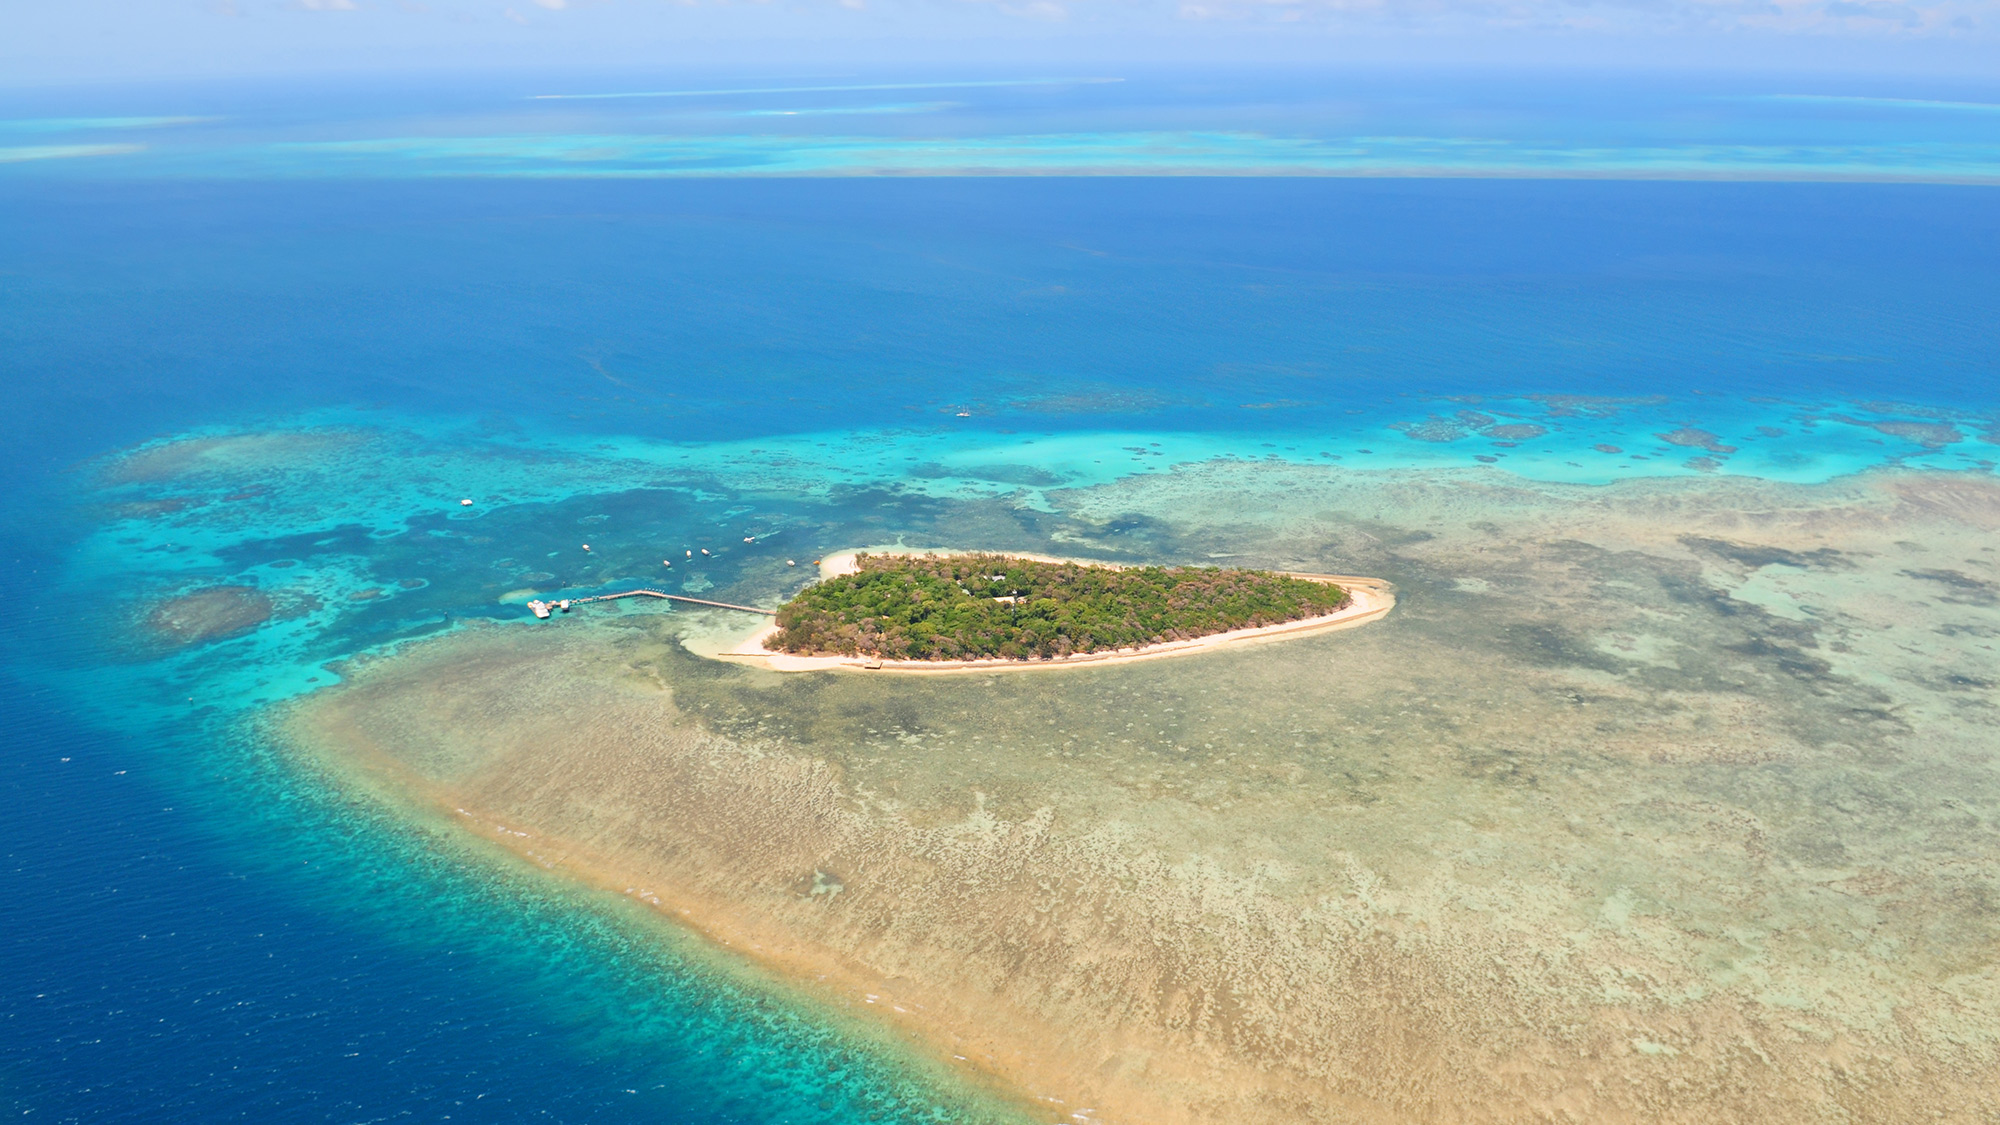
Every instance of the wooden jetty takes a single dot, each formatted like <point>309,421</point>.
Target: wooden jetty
<point>542,609</point>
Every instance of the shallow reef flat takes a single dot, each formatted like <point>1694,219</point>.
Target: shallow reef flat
<point>1670,801</point>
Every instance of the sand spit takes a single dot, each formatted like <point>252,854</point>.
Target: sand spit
<point>1663,802</point>
<point>1372,599</point>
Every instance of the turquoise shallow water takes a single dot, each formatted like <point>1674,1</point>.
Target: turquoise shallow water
<point>202,932</point>
<point>341,509</point>
<point>1141,123</point>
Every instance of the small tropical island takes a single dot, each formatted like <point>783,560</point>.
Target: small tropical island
<point>936,610</point>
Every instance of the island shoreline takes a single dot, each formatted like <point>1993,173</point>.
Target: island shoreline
<point>1370,599</point>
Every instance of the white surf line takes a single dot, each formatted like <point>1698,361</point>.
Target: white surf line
<point>830,89</point>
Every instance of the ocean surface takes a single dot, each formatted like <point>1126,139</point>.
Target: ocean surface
<point>249,343</point>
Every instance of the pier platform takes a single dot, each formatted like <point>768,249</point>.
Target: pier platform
<point>542,609</point>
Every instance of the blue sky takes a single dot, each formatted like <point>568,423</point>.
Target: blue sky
<point>63,41</point>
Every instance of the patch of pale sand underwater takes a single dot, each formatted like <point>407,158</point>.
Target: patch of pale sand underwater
<point>1668,801</point>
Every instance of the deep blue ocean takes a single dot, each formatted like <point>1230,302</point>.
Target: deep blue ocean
<point>195,932</point>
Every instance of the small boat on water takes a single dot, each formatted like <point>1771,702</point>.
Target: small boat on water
<point>467,503</point>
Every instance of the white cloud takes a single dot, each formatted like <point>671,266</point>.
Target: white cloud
<point>1048,11</point>
<point>1864,17</point>
<point>16,154</point>
<point>50,40</point>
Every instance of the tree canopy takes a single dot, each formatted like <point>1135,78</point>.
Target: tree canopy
<point>965,607</point>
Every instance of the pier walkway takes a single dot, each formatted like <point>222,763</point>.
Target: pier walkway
<point>542,608</point>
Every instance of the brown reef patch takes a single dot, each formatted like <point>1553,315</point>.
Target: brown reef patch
<point>1692,438</point>
<point>1930,435</point>
<point>1436,428</point>
<point>1592,406</point>
<point>208,615</point>
<point>1515,431</point>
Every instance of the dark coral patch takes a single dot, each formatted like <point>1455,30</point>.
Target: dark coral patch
<point>1691,438</point>
<point>209,615</point>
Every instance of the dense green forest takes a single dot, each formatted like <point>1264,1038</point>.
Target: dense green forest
<point>960,607</point>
